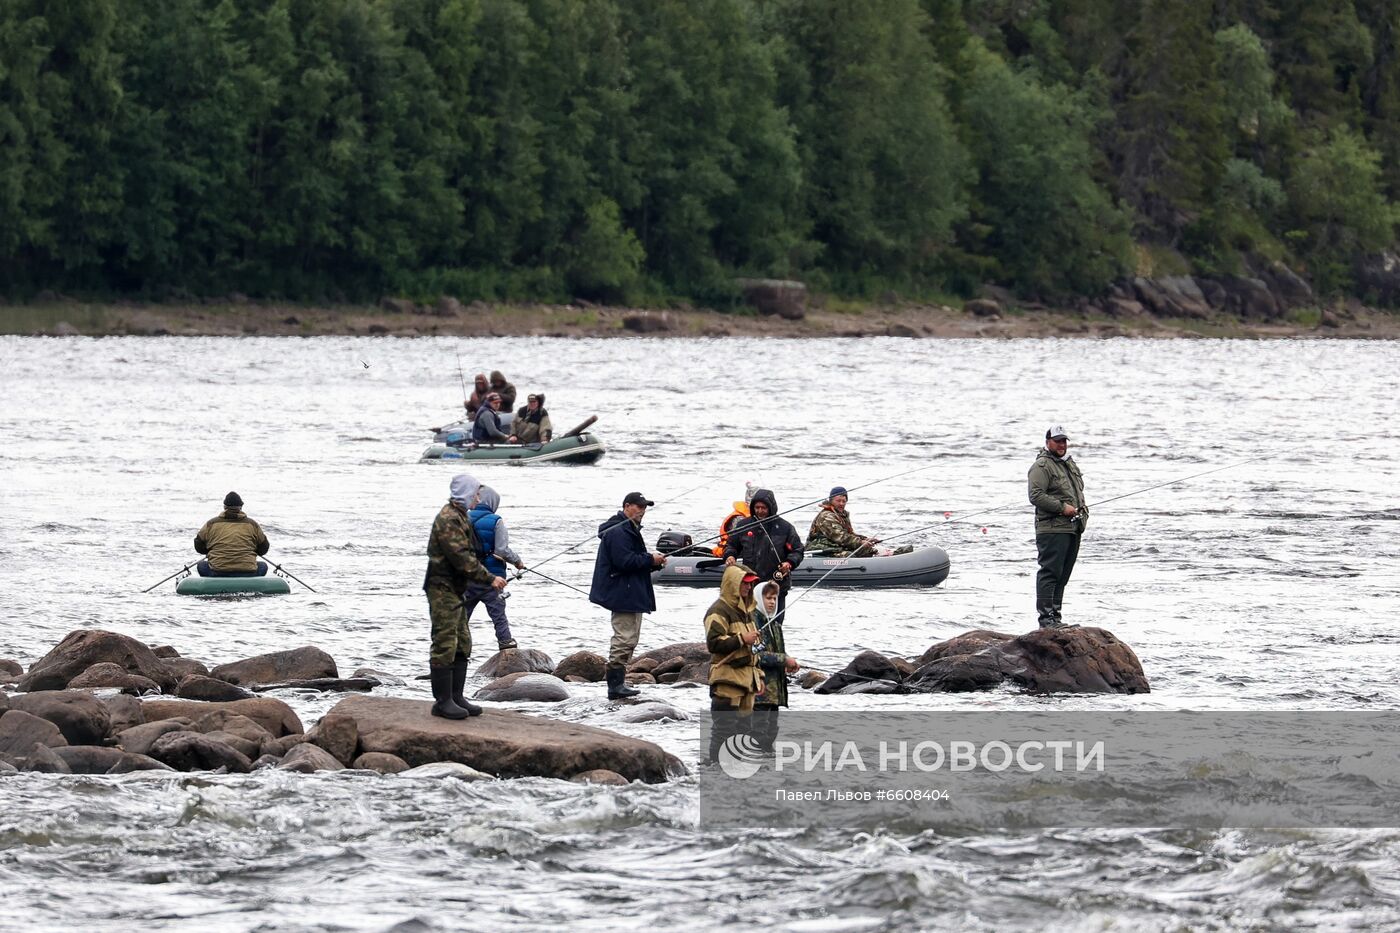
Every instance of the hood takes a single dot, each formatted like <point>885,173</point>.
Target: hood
<point>758,601</point>
<point>764,495</point>
<point>617,519</point>
<point>464,489</point>
<point>729,587</point>
<point>497,378</point>
<point>1049,454</point>
<point>234,514</point>
<point>490,499</point>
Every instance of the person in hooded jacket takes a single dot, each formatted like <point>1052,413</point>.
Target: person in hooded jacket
<point>481,388</point>
<point>766,543</point>
<point>740,511</point>
<point>496,552</point>
<point>532,424</point>
<point>735,676</point>
<point>622,584</point>
<point>775,663</point>
<point>233,543</point>
<point>504,389</point>
<point>486,429</point>
<point>454,563</point>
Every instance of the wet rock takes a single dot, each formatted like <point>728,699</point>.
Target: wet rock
<point>517,661</point>
<point>191,751</point>
<point>585,665</point>
<point>966,643</point>
<point>600,776</point>
<point>81,649</point>
<point>139,739</point>
<point>381,762</point>
<point>640,678</point>
<point>272,714</point>
<point>263,762</point>
<point>981,670</point>
<point>286,743</point>
<point>369,673</point>
<point>200,687</point>
<point>642,666</point>
<point>306,758</point>
<point>306,663</point>
<point>809,680</point>
<point>446,769</point>
<point>246,748</point>
<point>165,652</point>
<point>90,759</point>
<point>868,667</point>
<point>324,684</point>
<point>123,711</point>
<point>41,758</point>
<point>782,297</point>
<point>234,724</point>
<point>903,667</point>
<point>112,675</point>
<point>180,668</point>
<point>651,712</point>
<point>503,742</point>
<point>130,763</point>
<point>673,666</point>
<point>982,307</point>
<point>21,731</point>
<point>338,735</point>
<point>1075,660</point>
<point>7,768</point>
<point>10,667</point>
<point>79,715</point>
<point>695,660</point>
<point>534,688</point>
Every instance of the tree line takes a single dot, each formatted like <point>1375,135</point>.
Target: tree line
<point>655,149</point>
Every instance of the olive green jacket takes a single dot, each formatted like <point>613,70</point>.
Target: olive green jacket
<point>729,617</point>
<point>233,542</point>
<point>454,552</point>
<point>831,530</point>
<point>1051,483</point>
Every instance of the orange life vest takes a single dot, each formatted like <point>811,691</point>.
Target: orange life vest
<point>741,510</point>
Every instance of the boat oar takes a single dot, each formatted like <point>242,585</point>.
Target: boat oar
<point>583,427</point>
<point>286,572</point>
<point>183,569</point>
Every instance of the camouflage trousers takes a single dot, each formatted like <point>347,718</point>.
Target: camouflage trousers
<point>824,548</point>
<point>451,637</point>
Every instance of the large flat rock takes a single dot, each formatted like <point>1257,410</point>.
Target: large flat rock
<point>504,743</point>
<point>270,713</point>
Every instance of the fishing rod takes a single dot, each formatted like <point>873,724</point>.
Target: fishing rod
<point>286,572</point>
<point>526,570</point>
<point>184,569</point>
<point>462,378</point>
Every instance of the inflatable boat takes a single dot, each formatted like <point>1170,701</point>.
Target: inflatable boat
<point>580,448</point>
<point>460,432</point>
<point>927,566</point>
<point>232,586</point>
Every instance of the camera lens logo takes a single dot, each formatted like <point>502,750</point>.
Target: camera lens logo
<point>740,756</point>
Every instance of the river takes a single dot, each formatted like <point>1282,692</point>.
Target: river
<point>1271,585</point>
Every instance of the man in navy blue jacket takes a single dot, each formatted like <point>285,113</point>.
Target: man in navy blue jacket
<point>622,584</point>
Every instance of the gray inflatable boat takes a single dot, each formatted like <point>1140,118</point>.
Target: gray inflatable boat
<point>927,566</point>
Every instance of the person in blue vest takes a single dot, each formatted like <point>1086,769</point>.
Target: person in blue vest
<point>496,552</point>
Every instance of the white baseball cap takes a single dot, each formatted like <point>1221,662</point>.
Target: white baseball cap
<point>1056,430</point>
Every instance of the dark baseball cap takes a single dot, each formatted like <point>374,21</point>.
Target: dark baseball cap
<point>636,498</point>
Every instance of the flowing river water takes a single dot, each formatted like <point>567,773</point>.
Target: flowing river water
<point>1271,586</point>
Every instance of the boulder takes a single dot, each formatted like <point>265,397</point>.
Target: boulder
<point>1185,296</point>
<point>306,663</point>
<point>10,667</point>
<point>124,711</point>
<point>446,769</point>
<point>783,297</point>
<point>139,739</point>
<point>503,742</point>
<point>898,329</point>
<point>41,758</point>
<point>79,715</point>
<point>1288,287</point>
<point>1074,660</point>
<point>191,751</point>
<point>1122,307</point>
<point>868,667</point>
<point>306,758</point>
<point>21,731</point>
<point>397,305</point>
<point>809,679</point>
<point>966,643</point>
<point>695,660</point>
<point>263,762</point>
<point>960,673</point>
<point>651,712</point>
<point>646,322</point>
<point>642,666</point>
<point>326,684</point>
<point>534,688</point>
<point>381,762</point>
<point>81,649</point>
<point>200,687</point>
<point>600,776</point>
<point>272,714</point>
<point>180,668</point>
<point>233,723</point>
<point>248,749</point>
<point>108,674</point>
<point>370,673</point>
<point>130,763</point>
<point>165,652</point>
<point>1250,297</point>
<point>90,759</point>
<point>447,306</point>
<point>673,666</point>
<point>338,735</point>
<point>516,661</point>
<point>585,665</point>
<point>982,307</point>
<point>640,678</point>
<point>7,768</point>
<point>286,743</point>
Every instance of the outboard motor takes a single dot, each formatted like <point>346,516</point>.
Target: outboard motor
<point>456,439</point>
<point>670,542</point>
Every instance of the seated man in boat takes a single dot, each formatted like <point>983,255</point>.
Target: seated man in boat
<point>233,543</point>
<point>832,535</point>
<point>504,389</point>
<point>487,427</point>
<point>480,390</point>
<point>531,424</point>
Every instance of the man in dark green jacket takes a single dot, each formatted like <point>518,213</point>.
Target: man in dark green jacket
<point>1056,489</point>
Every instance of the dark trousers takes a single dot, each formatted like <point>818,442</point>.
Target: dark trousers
<point>765,725</point>
<point>1057,554</point>
<point>495,603</point>
<point>206,571</point>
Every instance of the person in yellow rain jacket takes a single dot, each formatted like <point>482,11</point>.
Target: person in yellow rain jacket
<point>735,676</point>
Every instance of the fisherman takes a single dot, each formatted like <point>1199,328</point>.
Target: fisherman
<point>766,543</point>
<point>1056,489</point>
<point>532,424</point>
<point>478,397</point>
<point>496,552</point>
<point>775,663</point>
<point>233,543</point>
<point>832,535</point>
<point>622,584</point>
<point>506,390</point>
<point>741,511</point>
<point>454,563</point>
<point>735,677</point>
<point>487,427</point>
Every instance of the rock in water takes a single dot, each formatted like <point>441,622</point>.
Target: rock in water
<point>108,674</point>
<point>534,688</point>
<point>79,715</point>
<point>1067,660</point>
<point>83,648</point>
<point>338,735</point>
<point>306,758</point>
<point>306,663</point>
<point>200,687</point>
<point>589,667</point>
<point>190,751</point>
<point>504,743</point>
<point>517,661</point>
<point>867,669</point>
<point>381,762</point>
<point>21,731</point>
<point>272,714</point>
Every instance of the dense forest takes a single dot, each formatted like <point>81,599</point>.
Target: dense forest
<point>647,150</point>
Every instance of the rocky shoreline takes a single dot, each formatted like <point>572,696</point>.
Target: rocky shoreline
<point>1161,308</point>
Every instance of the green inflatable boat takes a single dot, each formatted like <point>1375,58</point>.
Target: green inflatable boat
<point>580,448</point>
<point>232,586</point>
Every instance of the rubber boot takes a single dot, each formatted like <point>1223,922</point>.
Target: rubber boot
<point>1060,619</point>
<point>618,688</point>
<point>1046,615</point>
<point>441,678</point>
<point>459,680</point>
